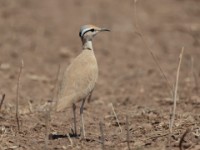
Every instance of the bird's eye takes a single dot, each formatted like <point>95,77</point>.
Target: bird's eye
<point>92,30</point>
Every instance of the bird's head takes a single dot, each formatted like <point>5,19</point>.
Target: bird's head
<point>87,32</point>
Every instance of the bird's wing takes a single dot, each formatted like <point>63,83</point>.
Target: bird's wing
<point>79,78</point>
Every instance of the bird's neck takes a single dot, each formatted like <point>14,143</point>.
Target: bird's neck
<point>87,45</point>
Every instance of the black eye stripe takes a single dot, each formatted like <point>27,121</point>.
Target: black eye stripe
<point>82,34</point>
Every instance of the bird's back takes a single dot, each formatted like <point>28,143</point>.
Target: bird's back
<point>78,80</point>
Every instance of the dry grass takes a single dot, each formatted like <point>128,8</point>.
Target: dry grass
<point>102,139</point>
<point>17,95</point>
<point>117,120</point>
<point>128,134</point>
<point>2,100</point>
<point>147,47</point>
<point>175,91</point>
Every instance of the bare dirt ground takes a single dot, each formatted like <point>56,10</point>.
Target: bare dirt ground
<point>45,34</point>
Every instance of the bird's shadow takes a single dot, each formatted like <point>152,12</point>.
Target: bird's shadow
<point>59,136</point>
<point>70,135</point>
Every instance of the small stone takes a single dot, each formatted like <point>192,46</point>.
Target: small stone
<point>5,66</point>
<point>148,126</point>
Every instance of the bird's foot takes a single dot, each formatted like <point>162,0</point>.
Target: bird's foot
<point>74,134</point>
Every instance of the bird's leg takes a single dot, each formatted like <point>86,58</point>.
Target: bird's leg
<point>90,95</point>
<point>82,120</point>
<point>74,113</point>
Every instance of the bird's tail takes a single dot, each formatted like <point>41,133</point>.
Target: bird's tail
<point>63,103</point>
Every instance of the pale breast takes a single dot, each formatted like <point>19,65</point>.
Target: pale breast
<point>80,77</point>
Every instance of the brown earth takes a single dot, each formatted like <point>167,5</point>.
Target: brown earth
<point>45,34</point>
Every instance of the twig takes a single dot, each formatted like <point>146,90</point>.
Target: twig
<point>102,136</point>
<point>127,136</point>
<point>170,116</point>
<point>17,96</point>
<point>182,138</point>
<point>116,117</point>
<point>139,32</point>
<point>175,91</point>
<point>194,75</point>
<point>50,108</point>
<point>2,100</point>
<point>56,88</point>
<point>160,134</point>
<point>70,140</point>
<point>47,118</point>
<point>30,106</point>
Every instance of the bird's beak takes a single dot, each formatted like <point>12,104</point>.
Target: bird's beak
<point>104,29</point>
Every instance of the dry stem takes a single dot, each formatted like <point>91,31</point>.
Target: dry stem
<point>47,118</point>
<point>116,117</point>
<point>128,136</point>
<point>17,96</point>
<point>175,91</point>
<point>194,75</point>
<point>50,108</point>
<point>70,140</point>
<point>56,89</point>
<point>139,32</point>
<point>182,138</point>
<point>2,100</point>
<point>102,136</point>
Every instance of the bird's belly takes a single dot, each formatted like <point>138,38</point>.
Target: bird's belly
<point>85,83</point>
<point>79,83</point>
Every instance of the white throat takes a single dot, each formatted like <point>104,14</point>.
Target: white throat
<point>88,45</point>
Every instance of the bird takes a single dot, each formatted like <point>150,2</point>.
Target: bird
<point>80,76</point>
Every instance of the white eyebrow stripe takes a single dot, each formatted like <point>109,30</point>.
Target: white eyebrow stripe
<point>85,30</point>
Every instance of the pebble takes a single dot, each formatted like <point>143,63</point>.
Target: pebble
<point>5,66</point>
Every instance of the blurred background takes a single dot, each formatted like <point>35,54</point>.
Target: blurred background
<point>45,34</point>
